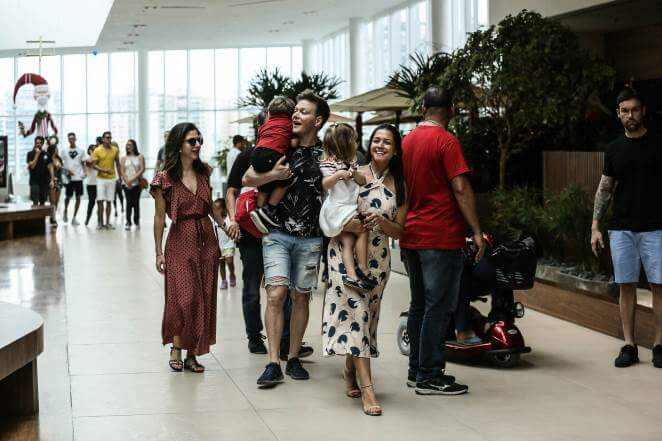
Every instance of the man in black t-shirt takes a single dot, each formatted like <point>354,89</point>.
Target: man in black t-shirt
<point>631,174</point>
<point>38,160</point>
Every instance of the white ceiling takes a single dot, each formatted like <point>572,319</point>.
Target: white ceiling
<point>229,23</point>
<point>70,23</point>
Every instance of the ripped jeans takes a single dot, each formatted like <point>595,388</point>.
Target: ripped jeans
<point>291,261</point>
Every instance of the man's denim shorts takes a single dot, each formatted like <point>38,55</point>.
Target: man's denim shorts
<point>291,261</point>
<point>629,250</point>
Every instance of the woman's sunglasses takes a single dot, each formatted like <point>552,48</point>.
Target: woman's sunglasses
<point>193,141</point>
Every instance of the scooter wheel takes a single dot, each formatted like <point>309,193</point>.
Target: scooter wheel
<point>505,360</point>
<point>403,337</point>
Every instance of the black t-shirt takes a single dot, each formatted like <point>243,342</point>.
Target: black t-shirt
<point>239,168</point>
<point>300,208</point>
<point>636,164</point>
<point>39,174</point>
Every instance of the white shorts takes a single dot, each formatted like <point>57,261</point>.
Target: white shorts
<point>105,189</point>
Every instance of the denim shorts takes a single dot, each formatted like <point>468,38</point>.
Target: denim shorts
<point>291,261</point>
<point>629,250</point>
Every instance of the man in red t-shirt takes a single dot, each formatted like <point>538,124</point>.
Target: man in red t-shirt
<point>441,203</point>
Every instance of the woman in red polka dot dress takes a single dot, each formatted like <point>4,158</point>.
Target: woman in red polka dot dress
<point>190,261</point>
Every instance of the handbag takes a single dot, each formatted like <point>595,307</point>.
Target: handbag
<point>144,183</point>
<point>247,202</point>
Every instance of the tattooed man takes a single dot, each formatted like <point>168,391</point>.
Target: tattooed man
<point>632,176</point>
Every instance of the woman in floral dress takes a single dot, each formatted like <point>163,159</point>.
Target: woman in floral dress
<point>350,318</point>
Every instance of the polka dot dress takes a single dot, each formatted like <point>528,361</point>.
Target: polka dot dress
<point>191,276</point>
<point>349,320</point>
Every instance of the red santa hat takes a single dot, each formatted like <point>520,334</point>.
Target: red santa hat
<point>29,78</point>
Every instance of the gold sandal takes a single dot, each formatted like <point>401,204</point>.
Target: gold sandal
<point>375,410</point>
<point>352,390</point>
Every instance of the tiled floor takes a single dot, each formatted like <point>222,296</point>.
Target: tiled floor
<point>104,375</point>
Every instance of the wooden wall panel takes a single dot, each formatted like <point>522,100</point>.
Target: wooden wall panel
<point>563,168</point>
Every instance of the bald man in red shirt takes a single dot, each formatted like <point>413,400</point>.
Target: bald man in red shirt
<point>441,204</point>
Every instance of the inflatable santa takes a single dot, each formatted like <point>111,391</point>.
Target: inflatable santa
<point>42,119</point>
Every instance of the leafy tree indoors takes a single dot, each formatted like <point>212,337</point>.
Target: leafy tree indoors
<point>530,75</point>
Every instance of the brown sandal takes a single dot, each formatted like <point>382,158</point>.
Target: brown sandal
<point>176,364</point>
<point>371,410</point>
<point>351,387</point>
<point>192,365</point>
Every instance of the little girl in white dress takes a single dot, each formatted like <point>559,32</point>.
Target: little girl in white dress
<point>341,180</point>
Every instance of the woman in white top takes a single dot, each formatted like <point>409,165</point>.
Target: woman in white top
<point>132,167</point>
<point>91,175</point>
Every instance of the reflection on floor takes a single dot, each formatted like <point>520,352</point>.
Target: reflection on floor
<point>104,373</point>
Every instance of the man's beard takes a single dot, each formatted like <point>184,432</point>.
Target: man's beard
<point>632,125</point>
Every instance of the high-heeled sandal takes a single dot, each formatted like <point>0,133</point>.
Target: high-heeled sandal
<point>192,365</point>
<point>351,387</point>
<point>375,410</point>
<point>176,364</point>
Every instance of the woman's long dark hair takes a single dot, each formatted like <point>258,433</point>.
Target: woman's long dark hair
<point>135,147</point>
<point>395,165</point>
<point>173,162</point>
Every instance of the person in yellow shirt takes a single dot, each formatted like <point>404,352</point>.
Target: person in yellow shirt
<point>105,159</point>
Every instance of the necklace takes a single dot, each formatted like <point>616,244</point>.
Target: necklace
<point>374,175</point>
<point>429,122</point>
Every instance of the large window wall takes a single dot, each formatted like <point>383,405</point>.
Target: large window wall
<point>204,86</point>
<point>89,94</point>
<point>389,38</point>
<point>93,93</point>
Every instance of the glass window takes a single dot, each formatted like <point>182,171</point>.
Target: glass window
<point>227,78</point>
<point>50,70</point>
<point>25,102</point>
<point>6,85</point>
<point>78,125</point>
<point>201,79</point>
<point>297,61</point>
<point>97,83</point>
<point>279,57</point>
<point>155,73</point>
<point>123,126</point>
<point>175,80</point>
<point>122,82</point>
<point>96,125</point>
<point>205,121</point>
<point>74,83</point>
<point>251,60</point>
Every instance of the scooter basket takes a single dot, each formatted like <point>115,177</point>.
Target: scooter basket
<point>516,264</point>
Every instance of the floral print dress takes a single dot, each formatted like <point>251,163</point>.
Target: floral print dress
<point>349,320</point>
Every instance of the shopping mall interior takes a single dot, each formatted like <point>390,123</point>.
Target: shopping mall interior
<point>83,305</point>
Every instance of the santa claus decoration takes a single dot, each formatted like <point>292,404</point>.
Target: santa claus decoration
<point>42,119</point>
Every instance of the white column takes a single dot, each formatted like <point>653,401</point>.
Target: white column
<point>356,49</point>
<point>143,105</point>
<point>441,25</point>
<point>308,54</point>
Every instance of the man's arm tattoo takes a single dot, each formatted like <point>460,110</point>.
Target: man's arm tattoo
<point>602,197</point>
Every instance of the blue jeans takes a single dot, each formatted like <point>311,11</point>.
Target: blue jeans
<point>434,280</point>
<point>291,261</point>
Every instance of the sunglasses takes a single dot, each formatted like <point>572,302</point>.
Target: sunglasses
<point>193,141</point>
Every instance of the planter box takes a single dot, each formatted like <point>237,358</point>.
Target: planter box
<point>595,286</point>
<point>559,276</point>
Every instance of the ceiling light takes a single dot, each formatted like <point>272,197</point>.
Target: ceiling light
<point>288,22</point>
<point>309,12</point>
<point>139,25</point>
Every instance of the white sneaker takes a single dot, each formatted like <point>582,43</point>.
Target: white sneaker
<point>74,222</point>
<point>110,227</point>
<point>127,227</point>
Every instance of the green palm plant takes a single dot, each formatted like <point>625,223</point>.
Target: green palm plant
<point>413,78</point>
<point>264,87</point>
<point>322,84</point>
